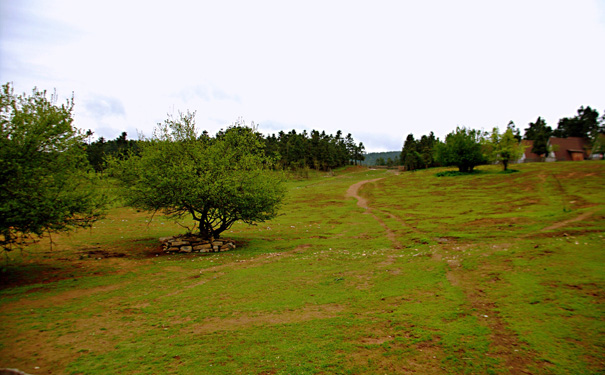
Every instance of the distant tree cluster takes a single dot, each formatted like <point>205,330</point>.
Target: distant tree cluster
<point>418,154</point>
<point>100,150</point>
<point>291,150</point>
<point>586,124</point>
<point>467,148</point>
<point>314,150</point>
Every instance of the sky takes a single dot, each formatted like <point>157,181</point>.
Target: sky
<point>379,70</point>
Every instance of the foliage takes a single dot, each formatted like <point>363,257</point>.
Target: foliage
<point>585,124</point>
<point>461,148</point>
<point>44,182</point>
<point>99,150</point>
<point>504,147</point>
<point>218,181</point>
<point>372,158</point>
<point>410,157</point>
<point>316,150</point>
<point>418,154</point>
<point>539,132</point>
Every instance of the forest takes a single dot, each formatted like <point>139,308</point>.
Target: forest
<point>291,151</point>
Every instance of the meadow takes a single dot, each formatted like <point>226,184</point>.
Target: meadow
<point>364,272</point>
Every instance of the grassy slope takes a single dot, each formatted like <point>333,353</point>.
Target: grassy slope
<point>442,275</point>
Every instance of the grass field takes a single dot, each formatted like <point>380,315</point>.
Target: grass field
<point>365,272</point>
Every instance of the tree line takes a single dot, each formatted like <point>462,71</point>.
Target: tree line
<point>467,148</point>
<point>291,150</point>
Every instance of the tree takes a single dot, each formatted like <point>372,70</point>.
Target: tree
<point>45,186</point>
<point>585,124</point>
<point>101,149</point>
<point>217,180</point>
<point>426,148</point>
<point>410,157</point>
<point>540,133</point>
<point>504,147</point>
<point>461,148</point>
<point>359,153</point>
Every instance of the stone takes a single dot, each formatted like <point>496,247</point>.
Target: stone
<point>180,243</point>
<point>202,247</point>
<point>215,248</point>
<point>165,239</point>
<point>217,243</point>
<point>186,249</point>
<point>172,249</point>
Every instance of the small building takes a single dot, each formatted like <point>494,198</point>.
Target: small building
<point>568,149</point>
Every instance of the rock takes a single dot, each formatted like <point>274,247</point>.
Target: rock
<point>172,249</point>
<point>165,239</point>
<point>180,243</point>
<point>186,249</point>
<point>203,247</point>
<point>217,243</point>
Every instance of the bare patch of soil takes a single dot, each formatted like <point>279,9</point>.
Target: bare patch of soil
<point>53,300</point>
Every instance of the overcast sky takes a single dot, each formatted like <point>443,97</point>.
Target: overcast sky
<point>377,69</point>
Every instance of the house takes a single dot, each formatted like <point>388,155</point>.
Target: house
<point>568,149</point>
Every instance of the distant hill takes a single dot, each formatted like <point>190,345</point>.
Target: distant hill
<point>370,158</point>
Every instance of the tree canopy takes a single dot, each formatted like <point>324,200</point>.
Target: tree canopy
<point>505,147</point>
<point>462,148</point>
<point>217,180</point>
<point>539,132</point>
<point>417,154</point>
<point>99,150</point>
<point>585,124</point>
<point>44,181</point>
<point>316,150</point>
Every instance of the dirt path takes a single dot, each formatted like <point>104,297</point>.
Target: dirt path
<point>564,223</point>
<point>504,343</point>
<point>353,192</point>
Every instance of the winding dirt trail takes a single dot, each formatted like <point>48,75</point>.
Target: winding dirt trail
<point>505,343</point>
<point>353,192</point>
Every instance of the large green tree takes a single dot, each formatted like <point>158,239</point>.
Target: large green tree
<point>410,157</point>
<point>585,124</point>
<point>461,148</point>
<point>45,184</point>
<point>504,147</point>
<point>216,180</point>
<point>539,132</point>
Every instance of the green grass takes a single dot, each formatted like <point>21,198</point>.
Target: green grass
<point>486,273</point>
